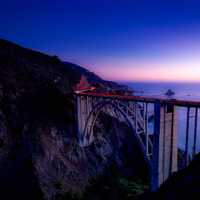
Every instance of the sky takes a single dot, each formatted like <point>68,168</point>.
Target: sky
<point>121,40</point>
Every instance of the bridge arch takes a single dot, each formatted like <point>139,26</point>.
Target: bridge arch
<point>117,109</point>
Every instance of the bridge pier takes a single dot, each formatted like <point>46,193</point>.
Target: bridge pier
<point>165,153</point>
<point>84,107</point>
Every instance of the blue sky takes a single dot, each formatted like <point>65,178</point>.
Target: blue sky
<point>118,39</point>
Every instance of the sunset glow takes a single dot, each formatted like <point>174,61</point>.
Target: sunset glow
<point>186,71</point>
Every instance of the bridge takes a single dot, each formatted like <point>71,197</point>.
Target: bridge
<point>153,122</point>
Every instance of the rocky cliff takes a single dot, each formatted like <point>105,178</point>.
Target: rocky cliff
<point>39,154</point>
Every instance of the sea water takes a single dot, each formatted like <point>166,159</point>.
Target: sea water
<point>184,91</point>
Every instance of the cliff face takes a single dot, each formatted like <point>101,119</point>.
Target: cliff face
<point>39,154</point>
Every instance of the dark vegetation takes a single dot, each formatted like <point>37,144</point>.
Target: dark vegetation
<point>39,154</point>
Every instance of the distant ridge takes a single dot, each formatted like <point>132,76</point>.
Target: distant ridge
<point>46,66</point>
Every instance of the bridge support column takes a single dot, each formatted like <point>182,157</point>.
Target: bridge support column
<point>165,154</point>
<point>79,117</point>
<point>84,107</point>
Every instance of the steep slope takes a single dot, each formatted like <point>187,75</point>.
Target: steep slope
<point>18,62</point>
<point>39,154</point>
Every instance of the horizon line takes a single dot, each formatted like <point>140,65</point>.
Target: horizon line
<point>156,81</point>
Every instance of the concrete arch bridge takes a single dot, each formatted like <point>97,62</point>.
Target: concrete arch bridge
<point>154,123</point>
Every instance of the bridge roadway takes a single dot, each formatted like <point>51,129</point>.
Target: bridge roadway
<point>146,99</point>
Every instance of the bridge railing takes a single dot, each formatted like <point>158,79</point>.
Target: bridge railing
<point>189,132</point>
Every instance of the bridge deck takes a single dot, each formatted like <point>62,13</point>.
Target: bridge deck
<point>147,99</point>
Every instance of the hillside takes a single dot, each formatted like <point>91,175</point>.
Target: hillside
<point>18,62</point>
<point>39,154</point>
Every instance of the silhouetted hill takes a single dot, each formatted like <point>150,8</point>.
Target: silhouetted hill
<point>39,66</point>
<point>16,61</point>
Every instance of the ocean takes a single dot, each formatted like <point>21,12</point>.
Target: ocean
<point>186,91</point>
<point>190,91</point>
